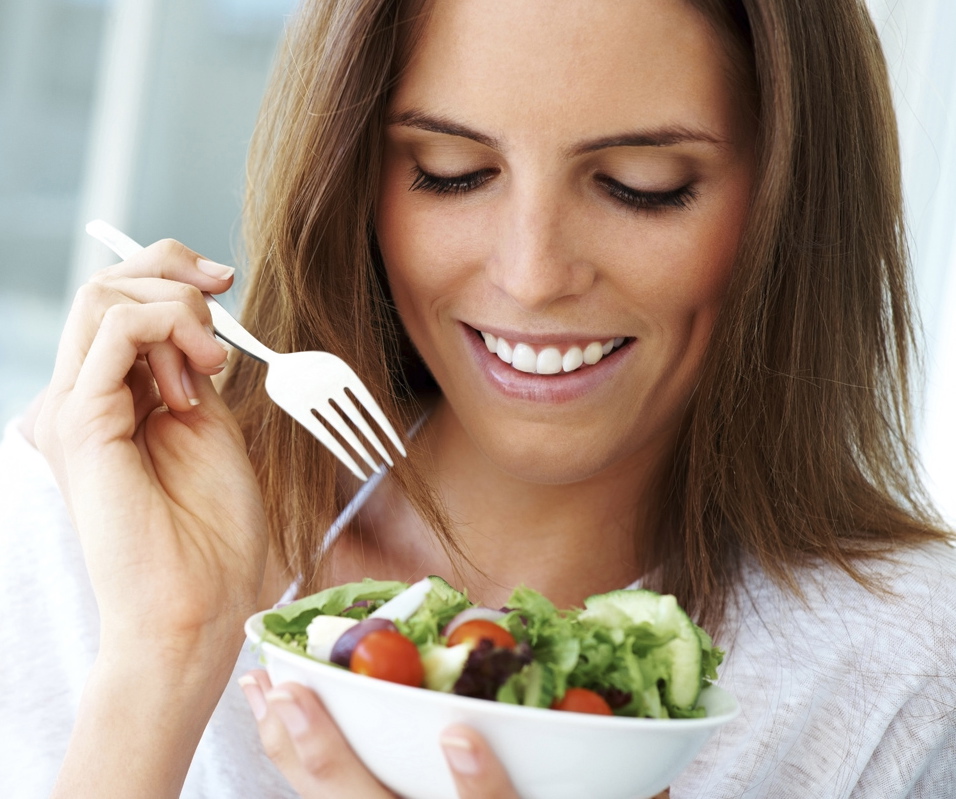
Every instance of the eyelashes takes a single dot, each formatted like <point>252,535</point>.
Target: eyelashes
<point>457,184</point>
<point>636,199</point>
<point>649,200</point>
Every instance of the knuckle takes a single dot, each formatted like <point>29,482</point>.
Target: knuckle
<point>115,316</point>
<point>272,748</point>
<point>320,764</point>
<point>189,295</point>
<point>91,294</point>
<point>274,744</point>
<point>102,275</point>
<point>169,249</point>
<point>69,423</point>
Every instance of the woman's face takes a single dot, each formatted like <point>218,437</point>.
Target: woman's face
<point>558,179</point>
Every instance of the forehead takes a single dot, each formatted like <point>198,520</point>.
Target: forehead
<point>582,67</point>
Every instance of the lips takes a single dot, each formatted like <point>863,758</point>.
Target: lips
<point>558,387</point>
<point>550,359</point>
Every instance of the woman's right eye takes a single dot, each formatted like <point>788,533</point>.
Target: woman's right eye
<point>454,184</point>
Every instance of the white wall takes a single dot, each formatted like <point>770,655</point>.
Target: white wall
<point>919,38</point>
<point>136,110</point>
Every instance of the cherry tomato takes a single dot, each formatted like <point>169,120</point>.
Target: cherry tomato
<point>388,655</point>
<point>582,700</point>
<point>472,632</point>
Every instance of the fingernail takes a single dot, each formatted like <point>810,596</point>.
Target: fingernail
<point>189,388</point>
<point>288,711</point>
<point>460,754</point>
<point>218,271</point>
<point>212,334</point>
<point>254,696</point>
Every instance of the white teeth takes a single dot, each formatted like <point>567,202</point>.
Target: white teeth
<point>504,351</point>
<point>572,360</point>
<point>549,361</point>
<point>524,358</point>
<point>593,353</point>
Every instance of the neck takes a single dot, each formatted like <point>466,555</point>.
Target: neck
<point>568,541</point>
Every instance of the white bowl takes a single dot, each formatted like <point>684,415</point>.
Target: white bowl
<point>549,754</point>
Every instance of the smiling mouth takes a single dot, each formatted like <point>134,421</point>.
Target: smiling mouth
<point>549,360</point>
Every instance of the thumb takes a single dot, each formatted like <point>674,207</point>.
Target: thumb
<point>477,771</point>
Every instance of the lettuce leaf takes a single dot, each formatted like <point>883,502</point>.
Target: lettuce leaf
<point>294,619</point>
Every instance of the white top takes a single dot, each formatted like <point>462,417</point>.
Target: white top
<point>852,695</point>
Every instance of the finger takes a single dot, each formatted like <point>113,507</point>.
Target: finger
<point>172,260</point>
<point>477,772</point>
<point>175,378</point>
<point>128,331</point>
<point>155,289</point>
<point>142,386</point>
<point>310,750</point>
<point>92,303</point>
<point>254,692</point>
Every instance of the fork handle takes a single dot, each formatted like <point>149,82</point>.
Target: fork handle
<point>230,331</point>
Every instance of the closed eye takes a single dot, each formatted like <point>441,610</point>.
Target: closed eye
<point>453,184</point>
<point>641,200</point>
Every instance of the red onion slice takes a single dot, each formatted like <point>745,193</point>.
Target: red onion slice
<point>347,641</point>
<point>471,614</point>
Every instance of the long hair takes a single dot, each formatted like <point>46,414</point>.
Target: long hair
<point>799,449</point>
<point>313,281</point>
<point>797,445</point>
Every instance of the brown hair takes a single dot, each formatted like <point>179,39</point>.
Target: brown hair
<point>797,445</point>
<point>799,448</point>
<point>313,281</point>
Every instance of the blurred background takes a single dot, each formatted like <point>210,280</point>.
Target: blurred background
<point>140,111</point>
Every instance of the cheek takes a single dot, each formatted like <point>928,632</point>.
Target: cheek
<point>689,270</point>
<point>430,250</point>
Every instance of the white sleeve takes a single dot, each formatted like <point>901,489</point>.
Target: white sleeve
<point>50,621</point>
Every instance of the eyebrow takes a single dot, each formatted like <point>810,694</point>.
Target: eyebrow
<point>667,136</point>
<point>656,137</point>
<point>438,124</point>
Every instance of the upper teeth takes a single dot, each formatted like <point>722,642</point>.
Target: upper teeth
<point>550,360</point>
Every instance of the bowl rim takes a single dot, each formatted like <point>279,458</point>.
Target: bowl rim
<point>254,632</point>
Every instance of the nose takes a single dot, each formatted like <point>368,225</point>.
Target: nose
<point>538,259</point>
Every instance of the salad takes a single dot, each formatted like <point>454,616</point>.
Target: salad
<point>631,652</point>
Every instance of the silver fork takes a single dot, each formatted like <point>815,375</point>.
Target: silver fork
<point>301,383</point>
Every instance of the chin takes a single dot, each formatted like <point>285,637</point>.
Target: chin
<point>546,461</point>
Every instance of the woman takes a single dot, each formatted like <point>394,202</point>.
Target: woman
<point>713,188</point>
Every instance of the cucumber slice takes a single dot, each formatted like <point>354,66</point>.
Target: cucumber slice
<point>679,656</point>
<point>443,665</point>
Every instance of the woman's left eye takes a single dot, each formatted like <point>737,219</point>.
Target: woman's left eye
<point>642,200</point>
<point>453,184</point>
